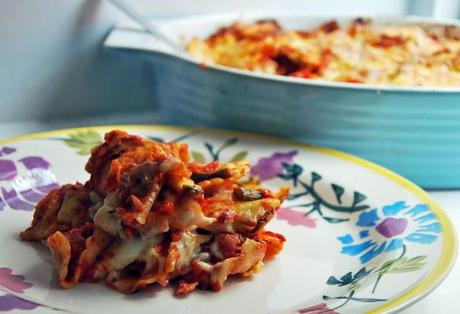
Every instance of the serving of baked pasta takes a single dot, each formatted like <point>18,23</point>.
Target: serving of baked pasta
<point>149,215</point>
<point>402,55</point>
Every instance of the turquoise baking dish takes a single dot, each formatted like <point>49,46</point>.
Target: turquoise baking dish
<point>414,131</point>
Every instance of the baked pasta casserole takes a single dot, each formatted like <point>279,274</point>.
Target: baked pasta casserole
<point>150,215</point>
<point>408,55</point>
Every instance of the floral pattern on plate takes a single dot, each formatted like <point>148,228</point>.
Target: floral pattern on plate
<point>24,181</point>
<point>380,240</point>
<point>17,284</point>
<point>393,225</point>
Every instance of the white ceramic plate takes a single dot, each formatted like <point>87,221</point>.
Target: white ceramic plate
<point>359,237</point>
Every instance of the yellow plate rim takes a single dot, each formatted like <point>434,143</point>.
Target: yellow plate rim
<point>416,293</point>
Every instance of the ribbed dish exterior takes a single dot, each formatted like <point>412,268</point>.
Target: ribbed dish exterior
<point>416,134</point>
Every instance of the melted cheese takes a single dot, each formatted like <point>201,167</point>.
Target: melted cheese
<point>127,251</point>
<point>188,215</point>
<point>106,218</point>
<point>114,228</point>
<point>251,256</point>
<point>410,55</point>
<point>189,248</point>
<point>68,208</point>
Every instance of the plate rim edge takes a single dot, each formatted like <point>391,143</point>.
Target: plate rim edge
<point>449,238</point>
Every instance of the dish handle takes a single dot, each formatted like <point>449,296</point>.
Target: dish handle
<point>129,36</point>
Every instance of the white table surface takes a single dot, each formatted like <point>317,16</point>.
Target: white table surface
<point>441,301</point>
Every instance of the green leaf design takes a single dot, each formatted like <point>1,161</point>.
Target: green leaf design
<point>239,156</point>
<point>358,198</point>
<point>156,139</point>
<point>297,170</point>
<point>358,208</point>
<point>197,156</point>
<point>175,140</point>
<point>362,273</point>
<point>315,177</point>
<point>349,278</point>
<point>367,300</point>
<point>327,298</point>
<point>83,141</point>
<point>338,191</point>
<point>351,298</point>
<point>333,220</point>
<point>291,172</point>
<point>296,196</point>
<point>209,147</point>
<point>285,176</point>
<point>386,266</point>
<point>333,281</point>
<point>405,264</point>
<point>184,136</point>
<point>401,264</point>
<point>229,142</point>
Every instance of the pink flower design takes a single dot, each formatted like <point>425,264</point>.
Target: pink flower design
<point>295,218</point>
<point>317,309</point>
<point>14,283</point>
<point>270,167</point>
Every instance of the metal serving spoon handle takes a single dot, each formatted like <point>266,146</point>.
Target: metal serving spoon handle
<point>147,26</point>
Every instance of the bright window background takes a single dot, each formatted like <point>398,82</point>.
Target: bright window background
<point>436,8</point>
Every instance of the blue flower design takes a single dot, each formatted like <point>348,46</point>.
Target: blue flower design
<point>387,229</point>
